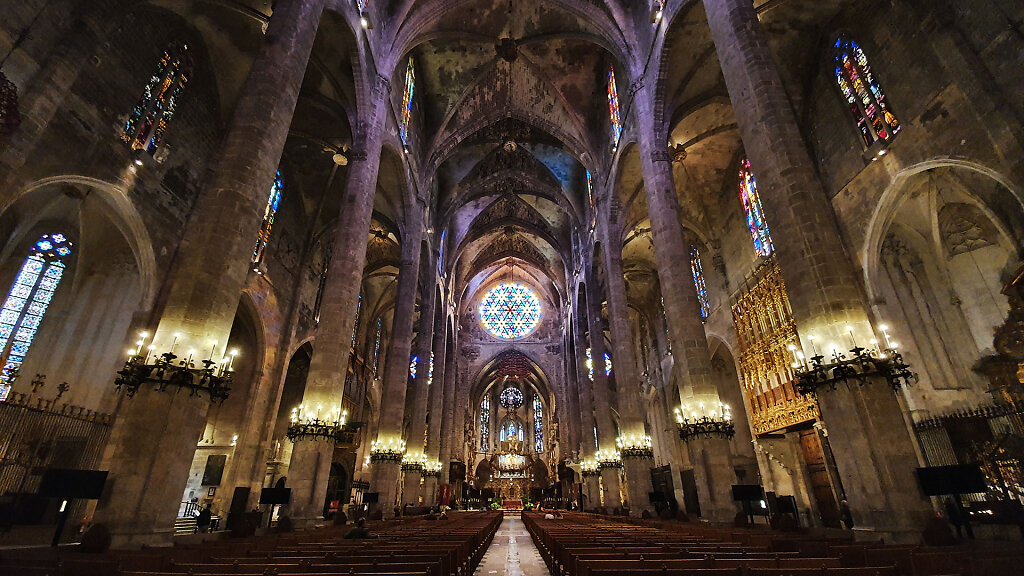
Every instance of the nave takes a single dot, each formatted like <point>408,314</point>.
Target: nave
<point>528,544</point>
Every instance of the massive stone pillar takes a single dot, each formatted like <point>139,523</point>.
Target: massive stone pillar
<point>154,437</point>
<point>602,399</point>
<point>416,443</point>
<point>310,465</point>
<point>40,100</point>
<point>633,442</point>
<point>691,368</point>
<point>435,402</point>
<point>873,446</point>
<point>451,369</point>
<point>385,469</point>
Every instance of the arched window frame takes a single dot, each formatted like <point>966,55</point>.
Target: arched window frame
<point>511,427</point>
<point>485,424</point>
<point>751,200</point>
<point>863,94</point>
<point>28,300</point>
<point>148,121</point>
<point>376,346</point>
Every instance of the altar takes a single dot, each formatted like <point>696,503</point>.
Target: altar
<point>512,505</point>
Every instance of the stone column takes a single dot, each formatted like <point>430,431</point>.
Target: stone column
<point>591,491</point>
<point>610,477</point>
<point>385,474</point>
<point>586,387</point>
<point>415,444</point>
<point>691,366</point>
<point>638,458</point>
<point>154,437</point>
<point>874,448</point>
<point>569,411</point>
<point>309,469</point>
<point>436,403</point>
<point>448,403</point>
<point>91,23</point>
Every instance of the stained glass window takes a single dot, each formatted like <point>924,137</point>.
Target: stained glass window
<point>376,347</point>
<point>410,88</point>
<point>148,121</point>
<point>485,424</point>
<point>440,253</point>
<point>751,200</point>
<point>698,282</point>
<point>430,370</point>
<point>613,108</point>
<point>511,398</point>
<point>511,429</point>
<point>538,424</point>
<point>510,311</point>
<point>320,289</point>
<point>268,218</point>
<point>863,94</point>
<point>361,5</point>
<point>355,325</point>
<point>26,304</point>
<point>590,364</point>
<point>607,364</point>
<point>412,367</point>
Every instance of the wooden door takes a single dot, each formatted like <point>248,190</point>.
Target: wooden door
<point>817,474</point>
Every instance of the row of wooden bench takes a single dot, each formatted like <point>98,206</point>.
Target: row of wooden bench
<point>591,545</point>
<point>414,547</point>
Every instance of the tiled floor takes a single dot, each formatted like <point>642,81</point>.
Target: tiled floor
<point>512,553</point>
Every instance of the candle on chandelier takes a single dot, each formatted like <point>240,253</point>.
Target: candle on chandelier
<point>174,342</point>
<point>849,330</point>
<point>213,349</point>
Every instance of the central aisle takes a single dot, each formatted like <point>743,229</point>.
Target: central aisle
<point>512,552</point>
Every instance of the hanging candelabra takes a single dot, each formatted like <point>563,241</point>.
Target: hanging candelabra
<point>861,365</point>
<point>608,459</point>
<point>633,446</point>
<point>165,370</point>
<point>413,462</point>
<point>589,468</point>
<point>305,425</point>
<point>387,450</point>
<point>714,424</point>
<point>431,468</point>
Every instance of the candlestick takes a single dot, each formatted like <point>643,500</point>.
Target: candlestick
<point>849,330</point>
<point>174,342</point>
<point>814,346</point>
<point>189,361</point>
<point>231,361</point>
<point>885,333</point>
<point>213,349</point>
<point>149,350</point>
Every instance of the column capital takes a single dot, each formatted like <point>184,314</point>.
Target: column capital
<point>637,85</point>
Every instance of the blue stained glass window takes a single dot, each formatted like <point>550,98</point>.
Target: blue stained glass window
<point>511,398</point>
<point>759,232</point>
<point>355,326</point>
<point>147,123</point>
<point>538,423</point>
<point>37,280</point>
<point>412,366</point>
<point>510,311</point>
<point>698,282</point>
<point>268,218</point>
<point>485,424</point>
<point>361,5</point>
<point>376,347</point>
<point>590,364</point>
<point>511,430</point>
<point>607,364</point>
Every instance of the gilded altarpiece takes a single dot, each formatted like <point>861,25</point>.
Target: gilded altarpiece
<point>765,331</point>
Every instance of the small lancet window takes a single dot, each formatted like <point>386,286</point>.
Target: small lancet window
<point>759,232</point>
<point>268,219</point>
<point>485,424</point>
<point>147,123</point>
<point>863,94</point>
<point>698,281</point>
<point>410,91</point>
<point>538,423</point>
<point>27,302</point>
<point>613,108</point>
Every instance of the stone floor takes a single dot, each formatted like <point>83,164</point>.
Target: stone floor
<point>512,552</point>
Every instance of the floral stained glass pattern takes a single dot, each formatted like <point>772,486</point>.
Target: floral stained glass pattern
<point>410,90</point>
<point>698,282</point>
<point>863,94</point>
<point>485,424</point>
<point>27,302</point>
<point>510,311</point>
<point>147,123</point>
<point>510,398</point>
<point>613,108</point>
<point>759,232</point>
<point>268,219</point>
<point>538,424</point>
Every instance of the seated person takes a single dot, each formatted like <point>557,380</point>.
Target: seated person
<point>360,531</point>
